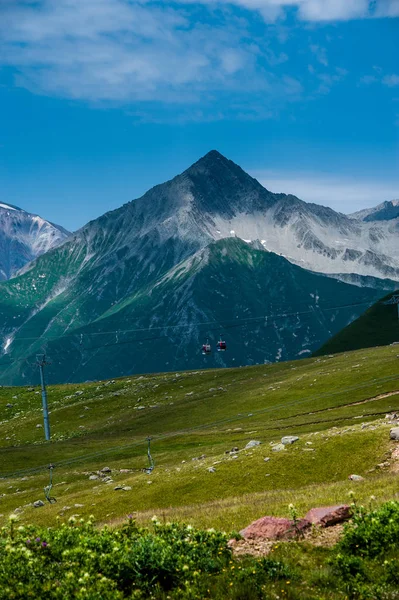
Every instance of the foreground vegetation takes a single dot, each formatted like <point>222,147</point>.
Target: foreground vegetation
<point>175,561</point>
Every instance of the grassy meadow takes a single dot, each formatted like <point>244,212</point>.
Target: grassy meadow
<point>336,405</point>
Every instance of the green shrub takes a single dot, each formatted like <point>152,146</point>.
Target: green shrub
<point>372,533</point>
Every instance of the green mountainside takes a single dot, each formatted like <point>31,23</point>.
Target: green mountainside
<point>266,308</point>
<point>378,326</point>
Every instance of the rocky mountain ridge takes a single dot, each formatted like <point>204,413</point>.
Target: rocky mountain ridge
<point>24,237</point>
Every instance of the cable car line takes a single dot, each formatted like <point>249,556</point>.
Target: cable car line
<point>234,324</point>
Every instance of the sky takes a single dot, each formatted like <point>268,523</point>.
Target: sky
<point>102,99</point>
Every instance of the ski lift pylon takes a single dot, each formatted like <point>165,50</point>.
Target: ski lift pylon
<point>47,489</point>
<point>151,462</point>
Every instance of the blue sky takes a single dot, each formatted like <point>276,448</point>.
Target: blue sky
<point>101,99</point>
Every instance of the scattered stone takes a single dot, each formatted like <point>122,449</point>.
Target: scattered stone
<point>39,426</point>
<point>93,477</point>
<point>355,477</point>
<point>127,488</point>
<point>38,503</point>
<point>278,447</point>
<point>107,479</point>
<point>252,444</point>
<point>124,470</point>
<point>118,487</point>
<point>289,439</point>
<point>78,393</point>
<point>211,470</point>
<point>309,443</point>
<point>79,505</point>
<point>394,434</point>
<point>326,516</point>
<point>274,528</point>
<point>105,470</point>
<point>9,405</point>
<point>189,393</point>
<point>266,459</point>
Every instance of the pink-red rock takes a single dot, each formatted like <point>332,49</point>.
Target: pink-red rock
<point>274,528</point>
<point>329,515</point>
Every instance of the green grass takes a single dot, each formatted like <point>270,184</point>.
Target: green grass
<point>378,326</point>
<point>336,405</point>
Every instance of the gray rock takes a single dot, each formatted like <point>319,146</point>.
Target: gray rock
<point>355,477</point>
<point>252,444</point>
<point>9,405</point>
<point>38,503</point>
<point>278,447</point>
<point>127,488</point>
<point>107,479</point>
<point>39,426</point>
<point>289,439</point>
<point>93,477</point>
<point>212,470</point>
<point>394,434</point>
<point>266,459</point>
<point>105,470</point>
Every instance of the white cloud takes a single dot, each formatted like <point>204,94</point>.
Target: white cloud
<point>315,10</point>
<point>120,50</point>
<point>125,51</point>
<point>391,80</point>
<point>320,54</point>
<point>342,193</point>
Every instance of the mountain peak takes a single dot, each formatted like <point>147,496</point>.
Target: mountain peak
<point>386,211</point>
<point>212,159</point>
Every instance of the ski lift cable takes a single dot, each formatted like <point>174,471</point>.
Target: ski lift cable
<point>234,323</point>
<point>161,437</point>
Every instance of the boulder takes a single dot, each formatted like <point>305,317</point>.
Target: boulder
<point>105,470</point>
<point>38,503</point>
<point>278,447</point>
<point>394,434</point>
<point>273,528</point>
<point>289,439</point>
<point>252,444</point>
<point>93,477</point>
<point>355,477</point>
<point>329,515</point>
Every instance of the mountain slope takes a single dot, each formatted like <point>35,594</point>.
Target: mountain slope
<point>378,326</point>
<point>24,237</point>
<point>266,308</point>
<point>387,211</point>
<point>123,256</point>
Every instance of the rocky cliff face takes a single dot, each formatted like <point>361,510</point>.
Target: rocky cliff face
<point>24,237</point>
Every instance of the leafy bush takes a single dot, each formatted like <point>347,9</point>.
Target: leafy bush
<point>78,561</point>
<point>372,533</point>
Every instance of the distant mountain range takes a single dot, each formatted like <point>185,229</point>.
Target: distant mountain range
<point>141,287</point>
<point>24,237</point>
